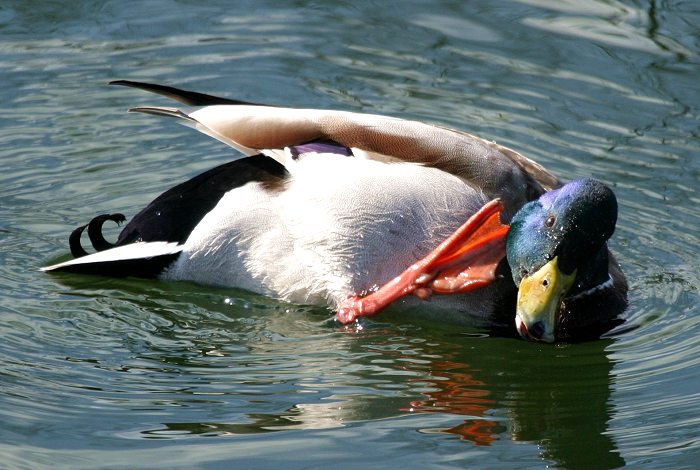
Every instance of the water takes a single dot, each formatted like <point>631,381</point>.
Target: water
<point>128,373</point>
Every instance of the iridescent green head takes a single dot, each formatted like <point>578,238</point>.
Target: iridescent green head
<point>556,248</point>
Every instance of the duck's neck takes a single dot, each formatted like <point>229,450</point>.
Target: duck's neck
<point>593,277</point>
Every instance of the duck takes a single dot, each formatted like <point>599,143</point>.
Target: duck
<point>361,212</point>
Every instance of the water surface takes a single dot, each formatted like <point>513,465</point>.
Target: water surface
<point>130,373</point>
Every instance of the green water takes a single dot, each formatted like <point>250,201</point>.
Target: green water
<point>103,373</point>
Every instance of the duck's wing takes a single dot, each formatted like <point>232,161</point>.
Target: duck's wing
<point>254,129</point>
<point>174,214</point>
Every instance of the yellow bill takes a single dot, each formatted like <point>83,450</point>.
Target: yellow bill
<point>539,298</point>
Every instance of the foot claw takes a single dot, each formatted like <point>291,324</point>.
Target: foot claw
<point>349,310</point>
<point>423,293</point>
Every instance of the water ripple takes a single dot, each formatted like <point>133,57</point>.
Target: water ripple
<point>93,367</point>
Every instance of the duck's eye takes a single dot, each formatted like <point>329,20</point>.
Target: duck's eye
<point>550,221</point>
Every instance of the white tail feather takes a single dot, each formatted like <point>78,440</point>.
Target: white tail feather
<point>133,251</point>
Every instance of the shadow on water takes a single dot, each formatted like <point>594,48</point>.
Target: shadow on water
<point>247,365</point>
<point>557,397</point>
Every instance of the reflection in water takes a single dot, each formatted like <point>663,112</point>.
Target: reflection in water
<point>541,401</point>
<point>540,405</point>
<point>457,391</point>
<point>574,409</point>
<point>310,374</point>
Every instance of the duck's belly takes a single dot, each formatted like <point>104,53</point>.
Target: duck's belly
<point>339,226</point>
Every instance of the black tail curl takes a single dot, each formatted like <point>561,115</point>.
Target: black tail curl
<point>94,228</point>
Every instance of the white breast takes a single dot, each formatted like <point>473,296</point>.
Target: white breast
<point>340,226</point>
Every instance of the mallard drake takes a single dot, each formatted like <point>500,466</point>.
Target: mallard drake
<point>355,211</point>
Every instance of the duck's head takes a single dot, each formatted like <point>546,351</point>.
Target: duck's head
<point>556,248</point>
